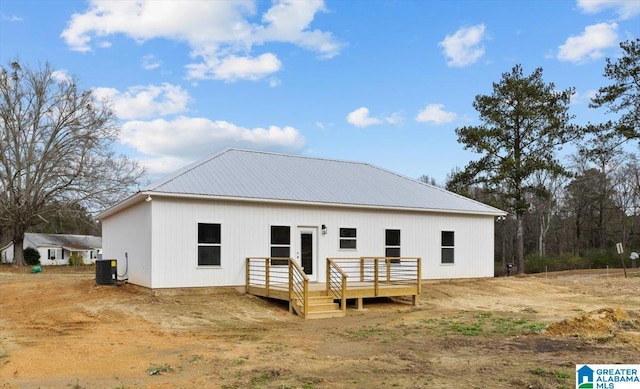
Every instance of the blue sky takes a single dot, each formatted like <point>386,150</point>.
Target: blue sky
<point>382,82</point>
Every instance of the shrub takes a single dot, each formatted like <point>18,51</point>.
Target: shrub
<point>589,259</point>
<point>31,256</point>
<point>76,260</point>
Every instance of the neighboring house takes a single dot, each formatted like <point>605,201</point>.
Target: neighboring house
<point>55,249</point>
<point>196,227</point>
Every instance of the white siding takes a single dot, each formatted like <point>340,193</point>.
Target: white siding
<point>130,232</point>
<point>245,232</point>
<point>7,254</point>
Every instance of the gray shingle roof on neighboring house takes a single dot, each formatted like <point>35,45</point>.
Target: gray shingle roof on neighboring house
<point>269,176</point>
<point>69,242</point>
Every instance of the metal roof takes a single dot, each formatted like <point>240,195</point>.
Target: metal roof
<point>261,175</point>
<point>69,242</point>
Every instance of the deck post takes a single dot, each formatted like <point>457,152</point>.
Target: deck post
<point>361,269</point>
<point>388,263</point>
<point>290,282</point>
<point>360,304</point>
<point>328,275</point>
<point>306,297</point>
<point>419,275</point>
<point>246,281</point>
<point>375,276</point>
<point>266,275</point>
<point>343,302</point>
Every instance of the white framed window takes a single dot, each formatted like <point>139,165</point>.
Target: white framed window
<point>54,254</point>
<point>447,243</point>
<point>392,244</point>
<point>280,245</point>
<point>209,244</point>
<point>348,238</point>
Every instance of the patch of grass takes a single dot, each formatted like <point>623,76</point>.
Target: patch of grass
<point>383,335</point>
<point>195,359</point>
<point>556,374</point>
<point>77,385</point>
<point>265,376</point>
<point>472,330</point>
<point>159,370</point>
<point>483,323</point>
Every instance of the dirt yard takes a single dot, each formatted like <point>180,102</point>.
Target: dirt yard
<point>61,331</point>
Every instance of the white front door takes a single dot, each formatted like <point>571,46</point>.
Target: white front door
<point>306,251</point>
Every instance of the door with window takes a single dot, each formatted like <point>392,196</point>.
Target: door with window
<point>306,251</point>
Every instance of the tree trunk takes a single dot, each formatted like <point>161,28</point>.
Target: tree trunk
<point>18,249</point>
<point>520,243</point>
<point>541,235</point>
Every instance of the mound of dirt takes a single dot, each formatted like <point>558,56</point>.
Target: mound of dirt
<point>601,324</point>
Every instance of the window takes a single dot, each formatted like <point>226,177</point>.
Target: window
<point>447,243</point>
<point>54,254</point>
<point>280,244</point>
<point>208,244</point>
<point>348,238</point>
<point>392,243</point>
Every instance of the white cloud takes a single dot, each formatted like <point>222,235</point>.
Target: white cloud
<point>10,18</point>
<point>464,47</point>
<point>626,9</point>
<point>234,68</point>
<point>157,167</point>
<point>149,62</point>
<point>584,97</point>
<point>361,118</point>
<point>141,102</point>
<point>590,44</point>
<point>435,113</point>
<point>61,75</point>
<point>190,138</point>
<point>219,33</point>
<point>288,21</point>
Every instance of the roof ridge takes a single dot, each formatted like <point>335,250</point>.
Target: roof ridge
<point>297,156</point>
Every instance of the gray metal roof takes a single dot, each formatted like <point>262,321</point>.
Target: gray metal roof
<point>69,242</point>
<point>270,176</point>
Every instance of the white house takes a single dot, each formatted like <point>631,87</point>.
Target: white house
<point>195,227</point>
<point>55,249</point>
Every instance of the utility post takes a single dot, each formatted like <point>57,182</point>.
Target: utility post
<point>621,251</point>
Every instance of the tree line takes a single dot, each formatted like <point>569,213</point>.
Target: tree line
<point>590,201</point>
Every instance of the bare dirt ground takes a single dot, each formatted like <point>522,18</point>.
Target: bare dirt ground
<point>59,330</point>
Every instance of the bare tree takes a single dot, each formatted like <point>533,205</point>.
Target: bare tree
<point>428,180</point>
<point>56,146</point>
<point>546,189</point>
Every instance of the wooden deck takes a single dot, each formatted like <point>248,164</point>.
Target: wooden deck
<point>347,279</point>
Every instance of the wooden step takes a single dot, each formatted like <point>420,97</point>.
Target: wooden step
<point>325,314</point>
<point>319,307</point>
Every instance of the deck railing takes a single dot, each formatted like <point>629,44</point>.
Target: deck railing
<point>337,283</point>
<point>262,272</point>
<point>275,276</point>
<point>404,271</point>
<point>298,287</point>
